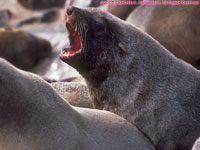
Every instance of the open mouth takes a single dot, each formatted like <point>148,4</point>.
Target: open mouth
<point>75,42</point>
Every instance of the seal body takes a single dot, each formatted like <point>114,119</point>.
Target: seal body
<point>48,16</point>
<point>41,4</point>
<point>82,4</point>
<point>175,27</point>
<point>5,16</point>
<point>22,49</point>
<point>34,117</point>
<point>131,74</point>
<point>122,11</point>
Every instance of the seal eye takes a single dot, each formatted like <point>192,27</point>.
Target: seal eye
<point>99,27</point>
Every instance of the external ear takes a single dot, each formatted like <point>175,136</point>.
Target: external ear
<point>122,47</point>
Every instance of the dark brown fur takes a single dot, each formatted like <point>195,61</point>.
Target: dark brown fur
<point>131,74</point>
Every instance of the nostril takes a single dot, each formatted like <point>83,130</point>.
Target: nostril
<point>70,10</point>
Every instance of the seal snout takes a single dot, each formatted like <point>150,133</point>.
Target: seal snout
<point>75,32</point>
<point>70,10</point>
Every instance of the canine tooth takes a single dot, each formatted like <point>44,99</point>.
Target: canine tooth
<point>62,51</point>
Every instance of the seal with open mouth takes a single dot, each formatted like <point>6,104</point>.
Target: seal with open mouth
<point>86,43</point>
<point>131,74</point>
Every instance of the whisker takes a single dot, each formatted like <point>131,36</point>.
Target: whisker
<point>84,35</point>
<point>84,29</point>
<point>81,33</point>
<point>76,27</point>
<point>81,29</point>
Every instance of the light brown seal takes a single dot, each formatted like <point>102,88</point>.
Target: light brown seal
<point>5,16</point>
<point>23,49</point>
<point>131,74</point>
<point>120,10</point>
<point>42,4</point>
<point>175,27</point>
<point>34,117</point>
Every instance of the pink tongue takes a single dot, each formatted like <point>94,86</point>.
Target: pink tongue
<point>77,42</point>
<point>76,47</point>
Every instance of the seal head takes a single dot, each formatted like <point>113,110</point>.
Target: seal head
<point>92,38</point>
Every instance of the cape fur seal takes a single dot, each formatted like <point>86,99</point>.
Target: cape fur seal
<point>175,27</point>
<point>131,74</point>
<point>23,49</point>
<point>42,4</point>
<point>122,11</point>
<point>48,16</point>
<point>5,16</point>
<point>34,117</point>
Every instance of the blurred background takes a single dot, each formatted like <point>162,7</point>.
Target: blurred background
<point>44,19</point>
<point>32,32</point>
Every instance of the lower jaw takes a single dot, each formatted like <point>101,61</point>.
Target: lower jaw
<point>68,54</point>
